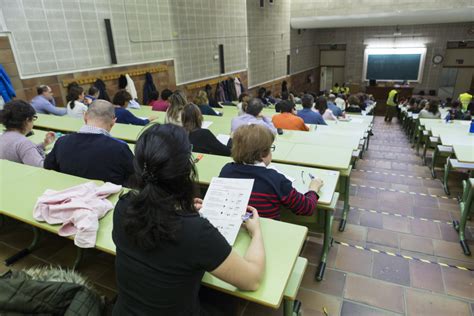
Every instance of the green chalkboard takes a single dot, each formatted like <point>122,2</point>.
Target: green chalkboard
<point>393,66</point>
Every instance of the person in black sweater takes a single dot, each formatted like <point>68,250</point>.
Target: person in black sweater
<point>164,246</point>
<point>92,153</point>
<point>202,139</point>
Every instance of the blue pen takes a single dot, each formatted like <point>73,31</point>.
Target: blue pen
<point>247,216</point>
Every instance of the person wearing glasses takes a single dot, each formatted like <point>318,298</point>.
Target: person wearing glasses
<point>252,153</point>
<point>18,116</point>
<point>92,152</point>
<point>44,102</point>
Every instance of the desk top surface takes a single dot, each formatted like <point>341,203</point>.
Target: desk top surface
<point>283,241</point>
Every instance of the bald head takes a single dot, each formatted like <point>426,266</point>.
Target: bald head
<point>101,114</point>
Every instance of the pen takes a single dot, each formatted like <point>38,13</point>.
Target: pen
<point>310,176</point>
<point>199,157</point>
<point>247,216</point>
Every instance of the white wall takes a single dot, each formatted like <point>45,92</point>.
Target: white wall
<point>52,36</point>
<point>434,37</point>
<point>308,8</point>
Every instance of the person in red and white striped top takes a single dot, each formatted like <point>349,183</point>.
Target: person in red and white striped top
<point>252,153</point>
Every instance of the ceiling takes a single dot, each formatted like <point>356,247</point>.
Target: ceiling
<point>397,17</point>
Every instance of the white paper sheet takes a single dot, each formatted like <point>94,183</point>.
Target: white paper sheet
<point>206,124</point>
<point>271,166</point>
<point>225,203</point>
<point>223,138</point>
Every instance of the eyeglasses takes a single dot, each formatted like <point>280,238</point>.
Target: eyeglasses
<point>34,117</point>
<point>272,147</point>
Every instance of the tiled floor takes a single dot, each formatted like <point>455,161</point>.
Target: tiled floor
<point>357,282</point>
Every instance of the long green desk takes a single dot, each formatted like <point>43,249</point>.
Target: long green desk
<point>126,132</point>
<point>333,157</point>
<point>456,135</point>
<point>283,241</point>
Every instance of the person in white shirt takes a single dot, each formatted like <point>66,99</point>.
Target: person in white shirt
<point>75,107</point>
<point>431,110</point>
<point>322,107</point>
<point>340,102</point>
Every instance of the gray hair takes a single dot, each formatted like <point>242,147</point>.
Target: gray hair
<point>101,110</point>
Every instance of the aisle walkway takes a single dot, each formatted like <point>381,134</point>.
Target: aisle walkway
<point>361,282</point>
<point>390,195</point>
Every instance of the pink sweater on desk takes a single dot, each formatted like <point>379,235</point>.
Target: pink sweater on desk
<point>78,209</point>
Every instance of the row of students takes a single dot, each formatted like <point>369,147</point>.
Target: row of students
<point>163,245</point>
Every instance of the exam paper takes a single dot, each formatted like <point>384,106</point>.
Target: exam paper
<point>223,138</point>
<point>225,203</point>
<point>206,124</point>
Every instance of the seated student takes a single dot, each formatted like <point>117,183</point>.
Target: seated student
<point>288,119</point>
<point>202,139</point>
<point>341,101</point>
<point>411,105</point>
<point>161,104</point>
<point>431,110</point>
<point>18,116</point>
<point>322,107</point>
<point>44,102</point>
<point>268,96</point>
<point>448,103</point>
<point>92,95</point>
<point>469,112</point>
<point>202,102</point>
<point>354,105</point>
<point>163,245</point>
<point>253,115</point>
<point>252,153</point>
<point>243,101</point>
<point>455,113</point>
<point>261,95</point>
<point>284,96</point>
<point>91,152</point>
<point>331,103</point>
<point>124,116</point>
<point>212,100</point>
<point>75,107</point>
<point>177,101</point>
<point>308,115</point>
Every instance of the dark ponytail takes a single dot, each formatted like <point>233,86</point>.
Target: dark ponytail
<point>164,175</point>
<point>73,94</point>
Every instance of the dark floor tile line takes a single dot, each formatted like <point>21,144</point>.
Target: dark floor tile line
<point>397,214</point>
<point>392,254</point>
<point>396,174</point>
<point>401,162</point>
<point>444,197</point>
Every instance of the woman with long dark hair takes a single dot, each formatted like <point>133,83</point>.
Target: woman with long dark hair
<point>163,245</point>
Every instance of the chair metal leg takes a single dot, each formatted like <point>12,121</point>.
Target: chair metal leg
<point>433,162</point>
<point>79,257</point>
<point>291,308</point>
<point>24,252</point>
<point>447,169</point>
<point>345,185</point>
<point>328,219</point>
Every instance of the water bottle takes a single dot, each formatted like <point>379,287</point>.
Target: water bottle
<point>471,128</point>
